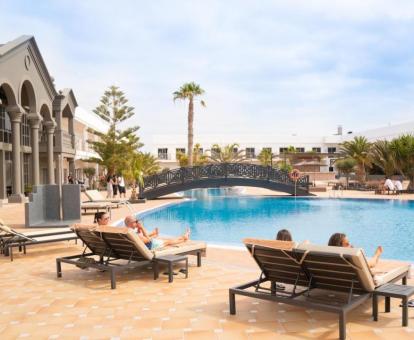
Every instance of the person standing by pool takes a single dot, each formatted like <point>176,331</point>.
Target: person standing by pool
<point>341,240</point>
<point>154,242</point>
<point>109,187</point>
<point>121,186</point>
<point>115,185</point>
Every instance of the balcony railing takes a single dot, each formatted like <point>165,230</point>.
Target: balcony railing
<point>68,140</point>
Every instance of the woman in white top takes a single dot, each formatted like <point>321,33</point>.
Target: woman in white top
<point>109,187</point>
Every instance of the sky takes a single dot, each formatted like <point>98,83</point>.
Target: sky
<point>267,67</point>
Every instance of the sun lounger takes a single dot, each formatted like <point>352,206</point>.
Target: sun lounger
<point>330,279</point>
<point>96,196</point>
<point>10,238</point>
<point>113,249</point>
<point>99,206</point>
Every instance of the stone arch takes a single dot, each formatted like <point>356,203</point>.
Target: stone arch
<point>46,113</point>
<point>67,112</point>
<point>27,96</point>
<point>7,96</point>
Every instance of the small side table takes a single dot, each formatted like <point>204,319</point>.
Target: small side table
<point>170,260</point>
<point>391,290</point>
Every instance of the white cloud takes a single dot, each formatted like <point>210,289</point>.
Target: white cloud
<point>270,66</point>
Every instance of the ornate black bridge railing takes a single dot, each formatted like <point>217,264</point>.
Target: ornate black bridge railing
<point>222,174</point>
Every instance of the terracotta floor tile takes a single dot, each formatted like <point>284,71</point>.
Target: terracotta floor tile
<point>200,335</point>
<point>81,303</point>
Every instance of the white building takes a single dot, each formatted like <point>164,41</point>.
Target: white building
<point>166,147</point>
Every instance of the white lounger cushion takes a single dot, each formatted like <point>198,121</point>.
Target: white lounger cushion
<point>386,270</point>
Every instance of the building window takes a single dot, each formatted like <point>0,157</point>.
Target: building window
<point>300,149</point>
<point>250,153</point>
<point>163,153</point>
<point>26,168</point>
<point>25,131</point>
<point>179,151</point>
<point>282,150</point>
<point>331,150</point>
<point>318,150</point>
<point>5,126</point>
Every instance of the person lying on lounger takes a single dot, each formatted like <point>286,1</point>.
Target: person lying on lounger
<point>284,235</point>
<point>341,240</point>
<point>151,240</point>
<point>102,218</point>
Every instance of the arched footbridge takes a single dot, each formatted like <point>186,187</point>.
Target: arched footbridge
<point>222,174</point>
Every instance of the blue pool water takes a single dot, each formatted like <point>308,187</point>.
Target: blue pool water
<point>227,220</point>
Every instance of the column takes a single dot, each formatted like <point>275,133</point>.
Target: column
<point>59,166</point>
<point>50,128</point>
<point>15,114</point>
<point>3,193</point>
<point>71,129</point>
<point>72,167</point>
<point>34,121</point>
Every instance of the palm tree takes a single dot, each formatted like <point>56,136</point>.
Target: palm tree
<point>358,149</point>
<point>346,166</point>
<point>141,165</point>
<point>228,154</point>
<point>198,157</point>
<point>403,148</point>
<point>383,156</point>
<point>266,157</point>
<point>190,91</point>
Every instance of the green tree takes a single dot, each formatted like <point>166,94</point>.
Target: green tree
<point>89,173</point>
<point>383,156</point>
<point>189,91</point>
<point>346,166</point>
<point>228,154</point>
<point>403,148</point>
<point>198,157</point>
<point>140,166</point>
<point>358,149</point>
<point>284,165</point>
<point>116,147</point>
<point>266,157</point>
<point>182,159</point>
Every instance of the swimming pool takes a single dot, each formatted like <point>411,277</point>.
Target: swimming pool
<point>226,220</point>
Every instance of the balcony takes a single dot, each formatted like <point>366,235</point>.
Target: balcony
<point>62,142</point>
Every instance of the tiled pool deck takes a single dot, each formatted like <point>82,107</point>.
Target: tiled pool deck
<point>35,304</point>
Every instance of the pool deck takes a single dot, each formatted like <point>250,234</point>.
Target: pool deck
<point>35,304</point>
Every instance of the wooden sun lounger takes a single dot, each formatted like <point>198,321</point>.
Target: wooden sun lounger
<point>114,249</point>
<point>10,238</point>
<point>330,279</point>
<point>99,206</point>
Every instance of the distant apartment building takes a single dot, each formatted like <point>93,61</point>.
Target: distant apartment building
<point>167,147</point>
<point>39,127</point>
<point>310,154</point>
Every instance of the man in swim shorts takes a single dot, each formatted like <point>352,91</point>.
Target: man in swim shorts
<point>151,240</point>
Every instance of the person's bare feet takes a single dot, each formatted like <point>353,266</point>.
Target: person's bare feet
<point>187,234</point>
<point>378,252</point>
